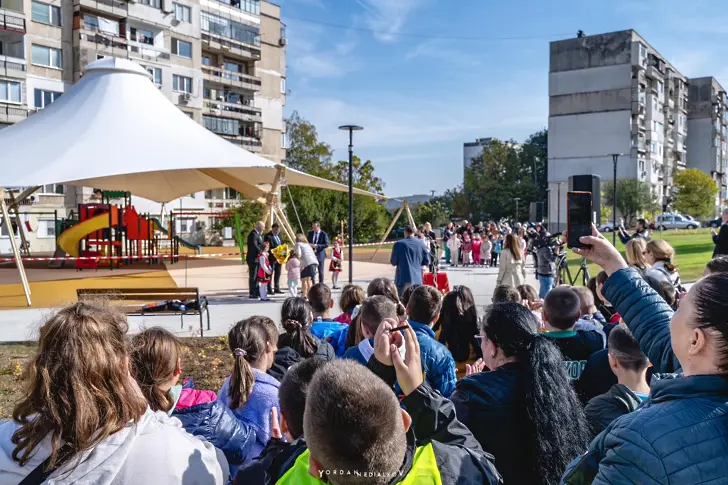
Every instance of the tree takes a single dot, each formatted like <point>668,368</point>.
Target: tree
<point>534,162</point>
<point>695,193</point>
<point>308,154</point>
<point>633,197</point>
<point>249,212</point>
<point>433,211</point>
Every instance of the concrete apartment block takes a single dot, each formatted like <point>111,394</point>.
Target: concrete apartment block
<point>614,93</point>
<point>707,132</point>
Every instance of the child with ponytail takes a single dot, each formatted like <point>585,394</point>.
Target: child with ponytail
<point>249,391</point>
<point>156,364</point>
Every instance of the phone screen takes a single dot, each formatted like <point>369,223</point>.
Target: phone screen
<point>579,217</point>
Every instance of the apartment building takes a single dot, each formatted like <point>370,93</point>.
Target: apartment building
<point>614,94</point>
<point>222,62</point>
<point>708,132</point>
<point>473,150</point>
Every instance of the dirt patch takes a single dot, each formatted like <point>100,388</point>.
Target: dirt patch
<point>207,361</point>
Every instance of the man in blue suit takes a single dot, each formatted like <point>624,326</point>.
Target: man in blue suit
<point>319,242</point>
<point>409,256</point>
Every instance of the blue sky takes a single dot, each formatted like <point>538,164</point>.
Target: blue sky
<point>403,70</point>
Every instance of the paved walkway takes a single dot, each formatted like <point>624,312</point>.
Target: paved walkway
<point>226,285</point>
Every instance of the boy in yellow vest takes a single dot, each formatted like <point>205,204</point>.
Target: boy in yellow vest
<point>357,433</point>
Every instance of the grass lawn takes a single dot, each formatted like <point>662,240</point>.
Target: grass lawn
<point>693,250</point>
<point>207,361</point>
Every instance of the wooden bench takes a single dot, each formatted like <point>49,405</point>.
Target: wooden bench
<point>135,298</point>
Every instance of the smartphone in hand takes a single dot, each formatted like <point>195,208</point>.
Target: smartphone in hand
<point>579,217</point>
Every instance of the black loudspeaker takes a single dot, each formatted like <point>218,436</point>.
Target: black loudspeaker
<point>589,183</point>
<point>536,212</point>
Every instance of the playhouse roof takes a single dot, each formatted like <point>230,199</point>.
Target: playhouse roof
<point>114,130</point>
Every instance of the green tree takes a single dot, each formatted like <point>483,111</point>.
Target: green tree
<point>495,179</point>
<point>433,211</point>
<point>330,208</point>
<point>534,162</point>
<point>633,197</point>
<point>249,211</point>
<point>695,193</point>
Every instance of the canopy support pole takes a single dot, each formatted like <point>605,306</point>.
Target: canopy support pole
<point>24,244</point>
<point>409,215</point>
<point>272,198</point>
<point>389,231</point>
<point>14,245</point>
<point>284,224</point>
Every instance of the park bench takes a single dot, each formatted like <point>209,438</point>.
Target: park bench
<point>134,299</point>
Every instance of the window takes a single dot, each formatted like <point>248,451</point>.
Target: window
<point>47,56</point>
<point>156,74</point>
<point>43,98</point>
<point>284,141</point>
<point>181,84</point>
<point>57,189</point>
<point>152,3</point>
<point>230,193</point>
<point>181,48</point>
<point>10,91</point>
<point>224,27</point>
<point>46,14</point>
<point>283,85</point>
<point>653,147</point>
<point>185,225</point>
<point>251,6</point>
<point>99,23</point>
<point>182,12</point>
<point>143,36</point>
<point>206,61</point>
<point>5,232</point>
<point>232,66</point>
<point>46,228</point>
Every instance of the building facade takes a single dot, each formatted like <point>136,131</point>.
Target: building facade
<point>708,132</point>
<point>222,62</point>
<point>614,94</point>
<point>473,150</point>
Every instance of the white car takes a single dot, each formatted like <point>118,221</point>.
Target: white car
<point>606,227</point>
<point>674,221</point>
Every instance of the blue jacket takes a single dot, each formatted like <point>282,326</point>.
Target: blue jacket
<point>437,361</point>
<point>409,256</point>
<point>332,332</point>
<point>678,436</point>
<point>217,424</point>
<point>646,314</point>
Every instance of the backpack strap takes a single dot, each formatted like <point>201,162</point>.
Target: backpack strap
<point>41,473</point>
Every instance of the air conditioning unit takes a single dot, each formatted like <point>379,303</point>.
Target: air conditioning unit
<point>282,42</point>
<point>175,22</point>
<point>184,98</point>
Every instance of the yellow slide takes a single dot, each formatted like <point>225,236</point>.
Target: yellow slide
<point>69,239</point>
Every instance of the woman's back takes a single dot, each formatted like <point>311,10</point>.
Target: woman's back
<point>306,254</point>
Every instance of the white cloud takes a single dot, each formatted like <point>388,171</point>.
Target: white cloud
<point>310,57</point>
<point>443,51</point>
<point>387,17</point>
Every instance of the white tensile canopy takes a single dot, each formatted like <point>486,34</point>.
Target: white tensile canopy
<point>115,130</point>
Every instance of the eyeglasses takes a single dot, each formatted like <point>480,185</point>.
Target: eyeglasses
<point>480,338</point>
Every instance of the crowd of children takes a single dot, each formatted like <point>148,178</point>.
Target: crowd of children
<point>372,396</point>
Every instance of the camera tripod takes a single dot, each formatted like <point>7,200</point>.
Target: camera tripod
<point>563,276</point>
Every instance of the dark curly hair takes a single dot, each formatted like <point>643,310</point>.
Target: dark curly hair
<point>296,316</point>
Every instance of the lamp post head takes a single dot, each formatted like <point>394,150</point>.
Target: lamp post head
<point>351,127</point>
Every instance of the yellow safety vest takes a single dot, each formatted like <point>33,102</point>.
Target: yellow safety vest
<point>424,470</point>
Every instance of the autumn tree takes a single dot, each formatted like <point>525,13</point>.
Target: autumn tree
<point>695,193</point>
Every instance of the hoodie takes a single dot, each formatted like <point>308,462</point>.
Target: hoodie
<point>155,450</point>
<point>605,408</point>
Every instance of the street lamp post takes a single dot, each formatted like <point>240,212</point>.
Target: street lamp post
<point>558,206</point>
<point>517,199</point>
<point>351,129</point>
<point>615,159</point>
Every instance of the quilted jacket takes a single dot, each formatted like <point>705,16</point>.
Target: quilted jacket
<point>680,434</point>
<point>437,361</point>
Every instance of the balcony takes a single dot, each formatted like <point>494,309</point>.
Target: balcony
<point>13,67</point>
<point>12,113</point>
<point>639,144</point>
<point>12,21</point>
<point>147,52</point>
<point>103,42</point>
<point>246,142</point>
<point>231,48</point>
<point>232,110</point>
<point>116,8</point>
<point>231,78</point>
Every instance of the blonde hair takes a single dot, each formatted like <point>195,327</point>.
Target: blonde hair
<point>78,389</point>
<point>635,251</point>
<point>514,246</point>
<point>662,251</point>
<point>154,357</point>
<point>301,238</point>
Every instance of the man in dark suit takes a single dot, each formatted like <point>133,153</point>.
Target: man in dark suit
<point>273,238</point>
<point>319,242</point>
<point>255,246</point>
<point>721,239</point>
<point>409,255</point>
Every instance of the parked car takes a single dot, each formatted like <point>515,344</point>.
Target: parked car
<point>675,221</point>
<point>716,223</point>
<point>606,227</point>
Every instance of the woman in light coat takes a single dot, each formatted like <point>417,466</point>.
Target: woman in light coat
<point>512,269</point>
